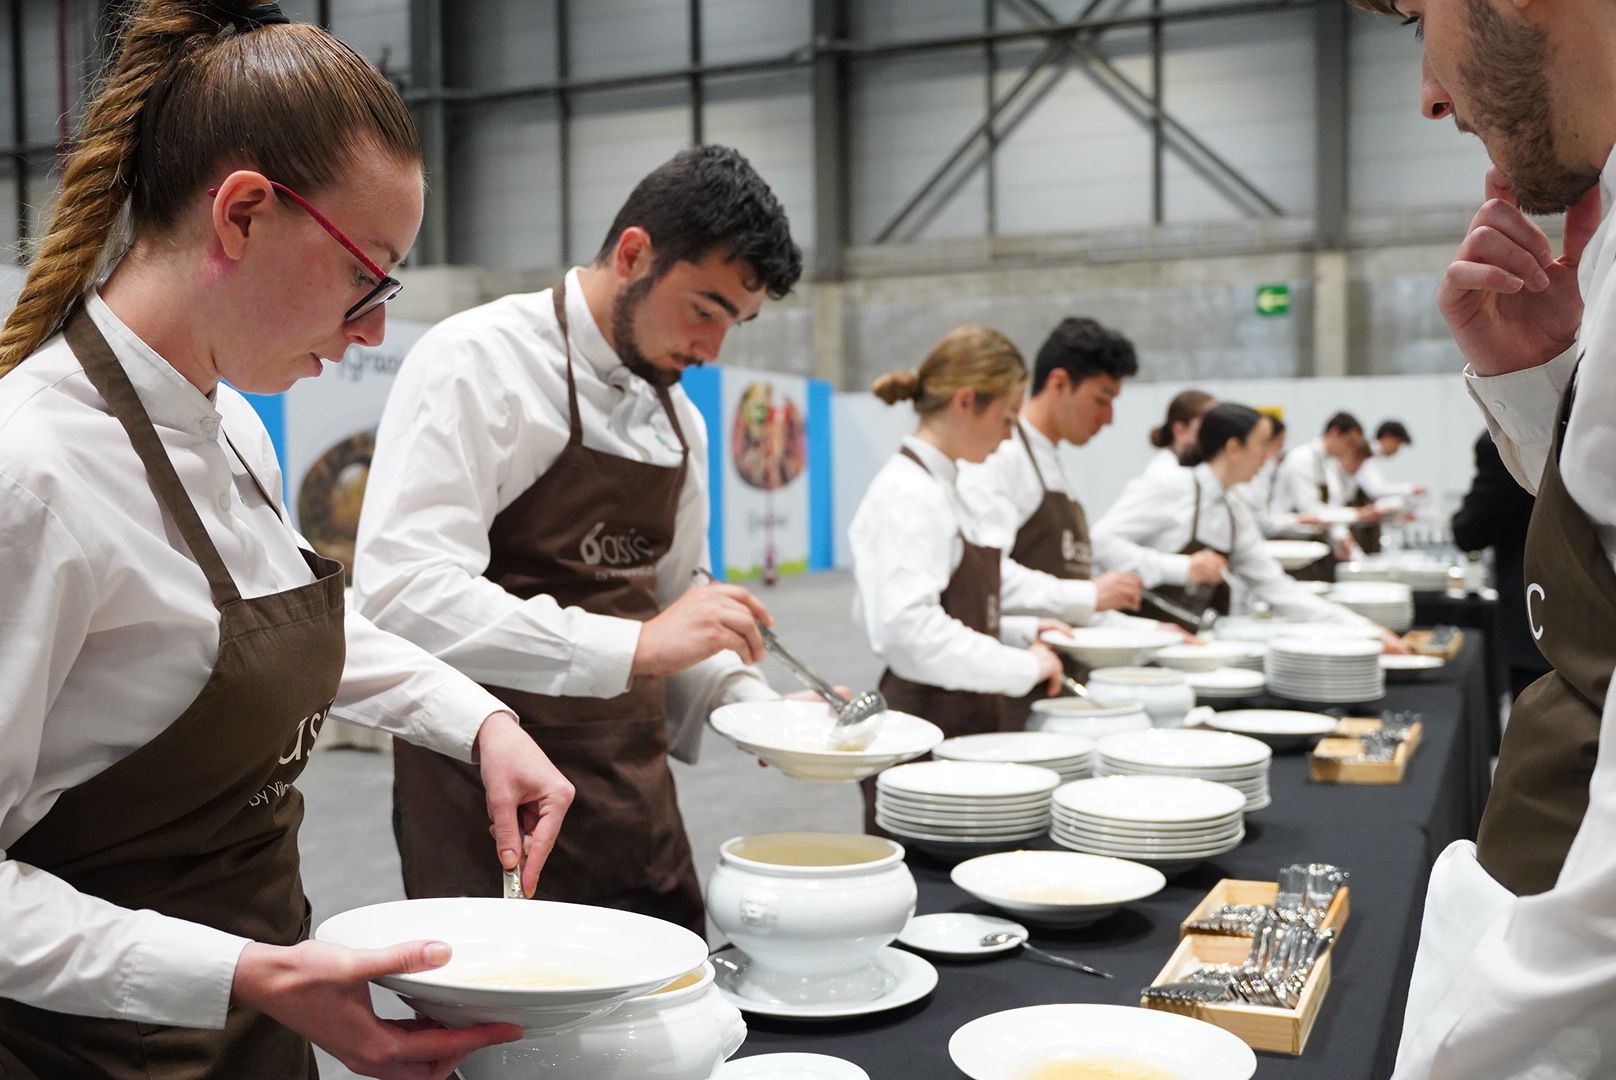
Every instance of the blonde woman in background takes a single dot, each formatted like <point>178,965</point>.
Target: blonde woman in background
<point>930,593</point>
<point>168,644</point>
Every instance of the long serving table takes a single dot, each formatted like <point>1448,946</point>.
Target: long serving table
<point>1386,837</point>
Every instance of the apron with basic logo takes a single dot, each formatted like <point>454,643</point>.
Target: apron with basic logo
<point>1054,540</point>
<point>200,823</point>
<point>972,597</point>
<point>1540,791</point>
<point>588,533</point>
<point>1196,598</point>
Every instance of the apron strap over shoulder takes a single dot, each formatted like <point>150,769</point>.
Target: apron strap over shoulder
<point>112,383</point>
<point>558,296</point>
<point>1032,457</point>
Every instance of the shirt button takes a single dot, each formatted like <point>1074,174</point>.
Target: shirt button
<point>210,426</point>
<point>224,503</point>
<point>1498,406</point>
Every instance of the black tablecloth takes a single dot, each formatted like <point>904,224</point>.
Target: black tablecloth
<point>1472,613</point>
<point>1386,836</point>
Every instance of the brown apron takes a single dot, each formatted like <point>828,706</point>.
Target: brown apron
<point>1367,534</point>
<point>1323,568</point>
<point>1540,791</point>
<point>588,533</point>
<point>1199,598</point>
<point>972,597</point>
<point>201,822</point>
<point>1055,540</point>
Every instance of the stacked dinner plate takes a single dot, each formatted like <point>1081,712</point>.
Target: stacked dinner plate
<point>1389,603</point>
<point>1218,756</point>
<point>1226,684</point>
<point>964,807</point>
<point>1072,756</point>
<point>1169,822</point>
<point>1331,670</point>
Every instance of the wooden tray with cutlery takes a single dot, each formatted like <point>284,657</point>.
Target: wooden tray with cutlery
<point>1429,643</point>
<point>1232,891</point>
<point>1337,759</point>
<point>1261,1027</point>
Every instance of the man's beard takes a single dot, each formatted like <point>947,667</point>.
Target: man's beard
<point>628,349</point>
<point>1507,75</point>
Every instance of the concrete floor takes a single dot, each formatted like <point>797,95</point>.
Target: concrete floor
<point>349,859</point>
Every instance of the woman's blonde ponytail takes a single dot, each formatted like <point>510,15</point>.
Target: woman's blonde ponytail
<point>97,178</point>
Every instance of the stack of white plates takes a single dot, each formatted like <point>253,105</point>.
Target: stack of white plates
<point>1389,603</point>
<point>1279,728</point>
<point>964,807</point>
<point>1167,822</point>
<point>1218,756</point>
<point>1332,670</point>
<point>1207,655</point>
<point>1226,684</point>
<point>1419,572</point>
<point>1072,756</point>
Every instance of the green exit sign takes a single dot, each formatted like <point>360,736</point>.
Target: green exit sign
<point>1273,299</point>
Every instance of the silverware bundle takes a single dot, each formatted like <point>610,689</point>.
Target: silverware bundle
<point>1305,893</point>
<point>1382,745</point>
<point>1283,954</point>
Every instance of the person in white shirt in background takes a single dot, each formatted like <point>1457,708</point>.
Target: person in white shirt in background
<point>931,587</point>
<point>169,646</point>
<point>1174,439</point>
<point>1390,438</point>
<point>1021,492</point>
<point>1189,538</point>
<point>536,512</point>
<point>1258,492</point>
<point>1312,481</point>
<point>1516,971</point>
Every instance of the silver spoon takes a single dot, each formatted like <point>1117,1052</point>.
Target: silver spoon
<point>1004,937</point>
<point>853,731</point>
<point>1074,686</point>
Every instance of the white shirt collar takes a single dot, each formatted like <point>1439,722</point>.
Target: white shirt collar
<point>1206,478</point>
<point>939,464</point>
<point>170,399</point>
<point>1036,438</point>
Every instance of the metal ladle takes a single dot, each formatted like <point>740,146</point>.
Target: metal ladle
<point>1005,937</point>
<point>854,728</point>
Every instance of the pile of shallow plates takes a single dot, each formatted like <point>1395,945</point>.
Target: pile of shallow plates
<point>1389,603</point>
<point>964,807</point>
<point>1419,572</point>
<point>1218,756</point>
<point>1226,684</point>
<point>1168,822</point>
<point>1072,756</point>
<point>1207,655</point>
<point>1329,670</point>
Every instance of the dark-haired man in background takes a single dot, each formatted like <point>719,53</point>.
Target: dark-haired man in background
<point>1390,439</point>
<point>537,506</point>
<point>1021,491</point>
<point>1313,478</point>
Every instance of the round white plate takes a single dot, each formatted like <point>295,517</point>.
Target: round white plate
<point>932,804</point>
<point>959,933</point>
<point>1226,680</point>
<point>793,736</point>
<point>1411,663</point>
<point>960,837</point>
<point>790,1067</point>
<point>1150,798</point>
<point>1186,749</point>
<point>909,978</point>
<point>1016,747</point>
<point>969,779</point>
<point>1295,554</point>
<point>1059,888</point>
<point>1205,657</point>
<point>1309,650</point>
<point>1012,1043</point>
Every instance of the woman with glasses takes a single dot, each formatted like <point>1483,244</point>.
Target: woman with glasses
<point>1190,536</point>
<point>169,646</point>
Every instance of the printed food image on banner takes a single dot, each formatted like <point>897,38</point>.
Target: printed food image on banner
<point>331,494</point>
<point>766,507</point>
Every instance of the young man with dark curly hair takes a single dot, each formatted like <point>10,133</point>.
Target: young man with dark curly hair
<point>537,506</point>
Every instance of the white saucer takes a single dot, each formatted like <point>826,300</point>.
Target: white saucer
<point>909,978</point>
<point>959,933</point>
<point>790,1067</point>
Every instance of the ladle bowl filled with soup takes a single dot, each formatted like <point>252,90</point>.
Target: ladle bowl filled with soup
<point>811,911</point>
<point>544,966</point>
<point>1097,1042</point>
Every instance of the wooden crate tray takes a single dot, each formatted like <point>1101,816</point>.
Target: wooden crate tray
<point>1330,763</point>
<point>1419,642</point>
<point>1282,1031</point>
<point>1235,891</point>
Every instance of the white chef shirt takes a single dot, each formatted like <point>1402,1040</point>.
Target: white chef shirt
<point>1005,492</point>
<point>1150,523</point>
<point>479,412</point>
<point>1371,480</point>
<point>1536,995</point>
<point>108,632</point>
<point>1163,462</point>
<point>1297,486</point>
<point>907,539</point>
<point>1258,496</point>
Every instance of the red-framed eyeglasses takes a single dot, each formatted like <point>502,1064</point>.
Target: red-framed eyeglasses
<point>386,287</point>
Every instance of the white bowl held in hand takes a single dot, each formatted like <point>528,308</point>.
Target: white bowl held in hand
<point>542,965</point>
<point>1011,1045</point>
<point>1057,888</point>
<point>1111,646</point>
<point>794,737</point>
